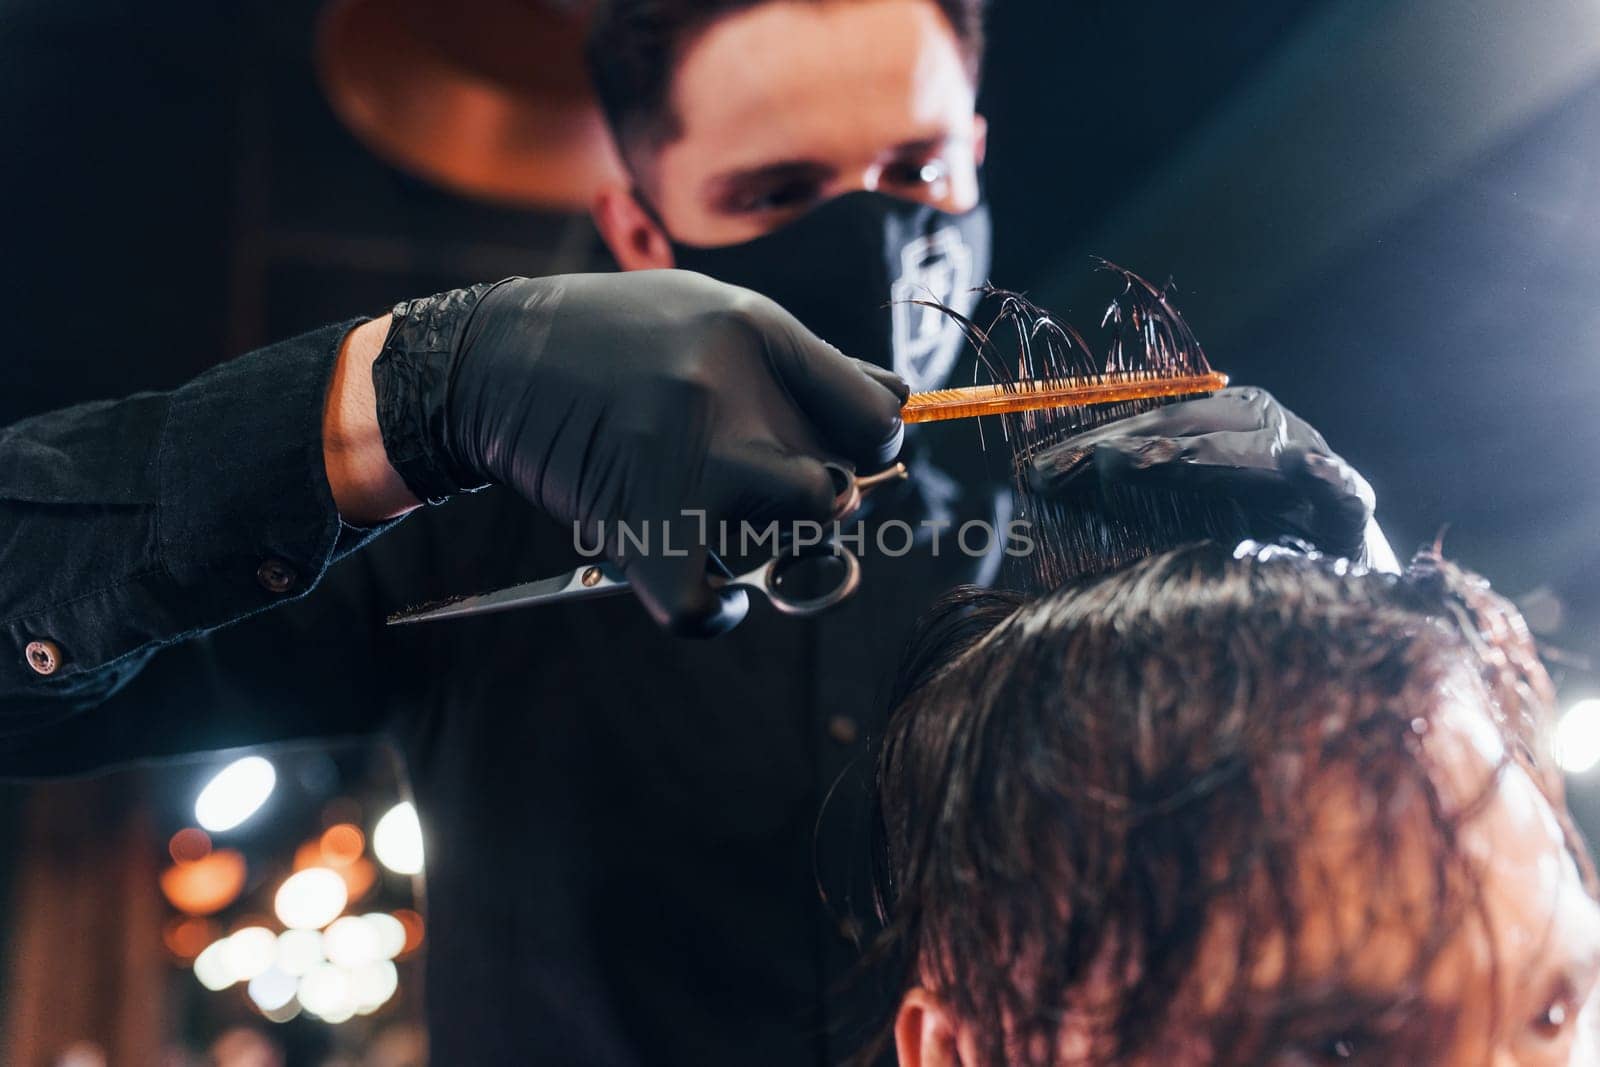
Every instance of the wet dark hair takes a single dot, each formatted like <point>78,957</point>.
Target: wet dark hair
<point>634,47</point>
<point>1085,526</point>
<point>1074,789</point>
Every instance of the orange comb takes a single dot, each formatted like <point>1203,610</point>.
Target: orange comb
<point>1113,387</point>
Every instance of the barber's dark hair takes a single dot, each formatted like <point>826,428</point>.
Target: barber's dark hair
<point>634,47</point>
<point>1072,789</point>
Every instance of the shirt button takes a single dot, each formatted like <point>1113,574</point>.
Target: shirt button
<point>276,576</point>
<point>843,729</point>
<point>43,656</point>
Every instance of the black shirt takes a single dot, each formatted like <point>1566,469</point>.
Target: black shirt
<point>652,803</point>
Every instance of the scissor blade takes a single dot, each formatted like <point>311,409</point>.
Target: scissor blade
<point>570,586</point>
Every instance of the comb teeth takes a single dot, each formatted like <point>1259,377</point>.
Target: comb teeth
<point>1045,394</point>
<point>1151,358</point>
<point>1048,384</point>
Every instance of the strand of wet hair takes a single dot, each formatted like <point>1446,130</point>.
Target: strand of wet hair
<point>1094,528</point>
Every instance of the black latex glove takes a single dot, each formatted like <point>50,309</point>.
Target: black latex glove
<point>1239,442</point>
<point>631,398</point>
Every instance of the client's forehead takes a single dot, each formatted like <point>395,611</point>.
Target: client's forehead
<point>1380,856</point>
<point>1539,930</point>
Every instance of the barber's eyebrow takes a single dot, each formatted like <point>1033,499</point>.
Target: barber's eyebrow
<point>787,170</point>
<point>922,144</point>
<point>770,173</point>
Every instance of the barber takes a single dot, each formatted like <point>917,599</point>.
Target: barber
<point>622,827</point>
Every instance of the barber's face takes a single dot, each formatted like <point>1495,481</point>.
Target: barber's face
<point>787,105</point>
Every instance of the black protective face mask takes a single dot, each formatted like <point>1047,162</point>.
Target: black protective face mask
<point>848,268</point>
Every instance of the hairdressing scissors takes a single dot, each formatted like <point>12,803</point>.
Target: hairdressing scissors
<point>799,579</point>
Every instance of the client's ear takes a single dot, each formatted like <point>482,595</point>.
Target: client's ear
<point>925,1033</point>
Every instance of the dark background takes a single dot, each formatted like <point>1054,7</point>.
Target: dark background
<point>1386,213</point>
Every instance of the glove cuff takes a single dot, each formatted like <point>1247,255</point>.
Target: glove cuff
<point>411,380</point>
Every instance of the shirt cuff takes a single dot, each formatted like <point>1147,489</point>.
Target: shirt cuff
<point>246,514</point>
<point>244,519</point>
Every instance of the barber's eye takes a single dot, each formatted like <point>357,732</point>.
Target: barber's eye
<point>786,197</point>
<point>923,172</point>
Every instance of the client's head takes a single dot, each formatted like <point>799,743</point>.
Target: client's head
<point>1209,810</point>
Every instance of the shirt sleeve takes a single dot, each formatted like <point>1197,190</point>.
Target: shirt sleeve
<point>130,525</point>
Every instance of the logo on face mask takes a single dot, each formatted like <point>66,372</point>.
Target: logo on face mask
<point>936,268</point>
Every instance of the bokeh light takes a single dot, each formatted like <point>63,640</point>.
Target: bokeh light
<point>309,854</point>
<point>414,929</point>
<point>351,942</point>
<point>249,952</point>
<point>186,936</point>
<point>310,899</point>
<point>189,845</point>
<point>272,989</point>
<point>236,793</point>
<point>211,966</point>
<point>1578,737</point>
<point>326,992</point>
<point>358,872</point>
<point>322,962</point>
<point>342,845</point>
<point>207,885</point>
<point>359,878</point>
<point>299,951</point>
<point>388,932</point>
<point>372,985</point>
<point>397,839</point>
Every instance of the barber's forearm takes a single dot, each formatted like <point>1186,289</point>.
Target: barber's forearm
<point>366,489</point>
